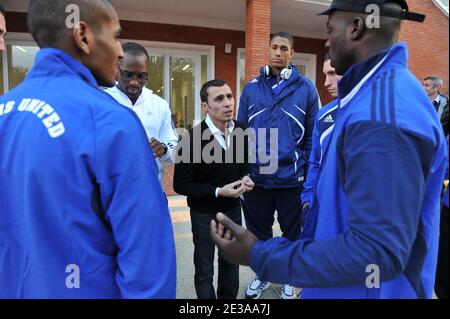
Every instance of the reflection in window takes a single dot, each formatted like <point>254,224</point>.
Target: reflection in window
<point>156,75</point>
<point>182,97</point>
<point>20,61</point>
<point>204,78</point>
<point>242,69</point>
<point>444,3</point>
<point>301,69</point>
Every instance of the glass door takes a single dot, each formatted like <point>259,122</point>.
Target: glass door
<point>20,61</point>
<point>184,73</point>
<point>177,77</point>
<point>15,64</point>
<point>306,64</point>
<point>156,80</point>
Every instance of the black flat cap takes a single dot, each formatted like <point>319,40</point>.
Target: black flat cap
<point>360,6</point>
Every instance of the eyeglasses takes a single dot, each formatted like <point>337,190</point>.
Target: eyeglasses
<point>128,76</point>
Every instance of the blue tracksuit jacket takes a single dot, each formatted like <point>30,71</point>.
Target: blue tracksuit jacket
<point>290,107</point>
<point>377,196</point>
<point>82,213</point>
<point>323,126</point>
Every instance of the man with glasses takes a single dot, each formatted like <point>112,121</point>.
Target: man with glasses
<point>153,111</point>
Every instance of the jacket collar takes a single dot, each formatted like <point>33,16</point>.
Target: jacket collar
<point>360,73</point>
<point>290,85</point>
<point>51,62</point>
<point>437,99</point>
<point>442,98</point>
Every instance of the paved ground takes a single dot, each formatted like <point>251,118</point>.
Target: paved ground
<point>185,264</point>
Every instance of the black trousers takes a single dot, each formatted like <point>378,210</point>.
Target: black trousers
<point>442,281</point>
<point>259,207</point>
<point>204,249</point>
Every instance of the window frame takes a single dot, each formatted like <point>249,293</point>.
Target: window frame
<point>14,38</point>
<point>166,49</point>
<point>441,6</point>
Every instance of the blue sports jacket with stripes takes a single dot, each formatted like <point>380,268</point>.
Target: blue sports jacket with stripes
<point>374,222</point>
<point>289,107</point>
<point>324,122</point>
<point>82,212</point>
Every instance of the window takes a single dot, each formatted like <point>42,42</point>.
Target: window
<point>176,73</point>
<point>306,64</point>
<point>183,93</point>
<point>443,5</point>
<point>184,71</point>
<point>15,63</point>
<point>156,75</point>
<point>20,61</point>
<point>240,81</point>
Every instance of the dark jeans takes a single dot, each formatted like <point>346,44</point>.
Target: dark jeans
<point>442,271</point>
<point>204,249</point>
<point>259,208</point>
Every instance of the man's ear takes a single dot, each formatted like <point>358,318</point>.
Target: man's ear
<point>357,28</point>
<point>83,37</point>
<point>205,107</point>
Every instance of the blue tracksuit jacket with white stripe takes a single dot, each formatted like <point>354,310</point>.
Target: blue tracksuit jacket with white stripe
<point>290,107</point>
<point>82,212</point>
<point>324,122</point>
<point>376,207</point>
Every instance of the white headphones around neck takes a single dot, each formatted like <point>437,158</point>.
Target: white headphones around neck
<point>285,74</point>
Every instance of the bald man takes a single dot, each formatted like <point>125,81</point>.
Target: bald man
<point>82,211</point>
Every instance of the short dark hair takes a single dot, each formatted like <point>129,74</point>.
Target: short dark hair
<point>47,19</point>
<point>285,35</point>
<point>207,85</point>
<point>2,10</point>
<point>135,49</point>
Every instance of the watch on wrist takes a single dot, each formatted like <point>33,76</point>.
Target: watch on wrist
<point>166,148</point>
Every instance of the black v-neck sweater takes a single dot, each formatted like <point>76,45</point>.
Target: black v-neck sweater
<point>198,180</point>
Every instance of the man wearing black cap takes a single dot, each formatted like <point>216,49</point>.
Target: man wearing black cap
<point>375,232</point>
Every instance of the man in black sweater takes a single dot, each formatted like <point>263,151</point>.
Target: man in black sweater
<point>212,171</point>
